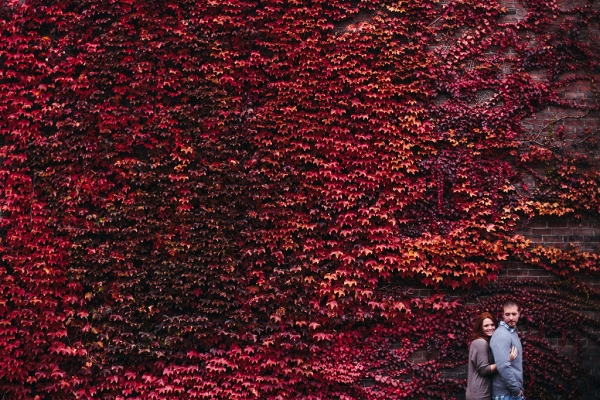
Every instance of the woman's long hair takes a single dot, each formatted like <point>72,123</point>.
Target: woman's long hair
<point>478,326</point>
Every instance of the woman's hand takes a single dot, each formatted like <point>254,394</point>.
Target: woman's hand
<point>513,353</point>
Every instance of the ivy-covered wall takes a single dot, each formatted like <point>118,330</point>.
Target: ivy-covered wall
<point>559,232</point>
<point>294,199</point>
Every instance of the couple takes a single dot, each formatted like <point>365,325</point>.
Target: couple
<point>495,357</point>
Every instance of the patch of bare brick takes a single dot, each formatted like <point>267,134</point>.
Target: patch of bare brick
<point>564,233</point>
<point>515,11</point>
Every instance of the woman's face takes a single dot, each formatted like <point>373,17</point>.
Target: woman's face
<point>488,327</point>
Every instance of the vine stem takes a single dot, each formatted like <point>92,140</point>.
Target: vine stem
<point>441,16</point>
<point>554,121</point>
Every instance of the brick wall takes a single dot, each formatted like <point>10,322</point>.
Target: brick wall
<point>565,233</point>
<point>562,233</point>
<point>559,232</point>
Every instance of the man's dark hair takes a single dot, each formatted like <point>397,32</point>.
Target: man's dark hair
<point>509,303</point>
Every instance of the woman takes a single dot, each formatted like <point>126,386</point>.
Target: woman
<point>481,359</point>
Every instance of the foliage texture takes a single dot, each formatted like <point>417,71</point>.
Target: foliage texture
<point>244,199</point>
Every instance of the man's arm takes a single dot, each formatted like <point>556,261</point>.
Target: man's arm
<point>501,346</point>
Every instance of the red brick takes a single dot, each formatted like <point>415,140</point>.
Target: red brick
<point>574,95</point>
<point>583,231</point>
<point>558,223</point>
<point>540,222</point>
<point>551,239</point>
<point>580,224</point>
<point>515,272</point>
<point>542,231</point>
<point>535,239</point>
<point>562,231</point>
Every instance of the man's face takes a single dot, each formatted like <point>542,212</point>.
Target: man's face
<point>511,315</point>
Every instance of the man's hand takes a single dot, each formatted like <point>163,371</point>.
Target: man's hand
<point>513,353</point>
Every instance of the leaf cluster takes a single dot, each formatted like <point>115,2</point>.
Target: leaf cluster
<point>245,199</point>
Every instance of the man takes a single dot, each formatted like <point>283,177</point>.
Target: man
<point>508,382</point>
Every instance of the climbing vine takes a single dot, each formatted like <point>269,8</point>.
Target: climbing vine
<point>303,199</point>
